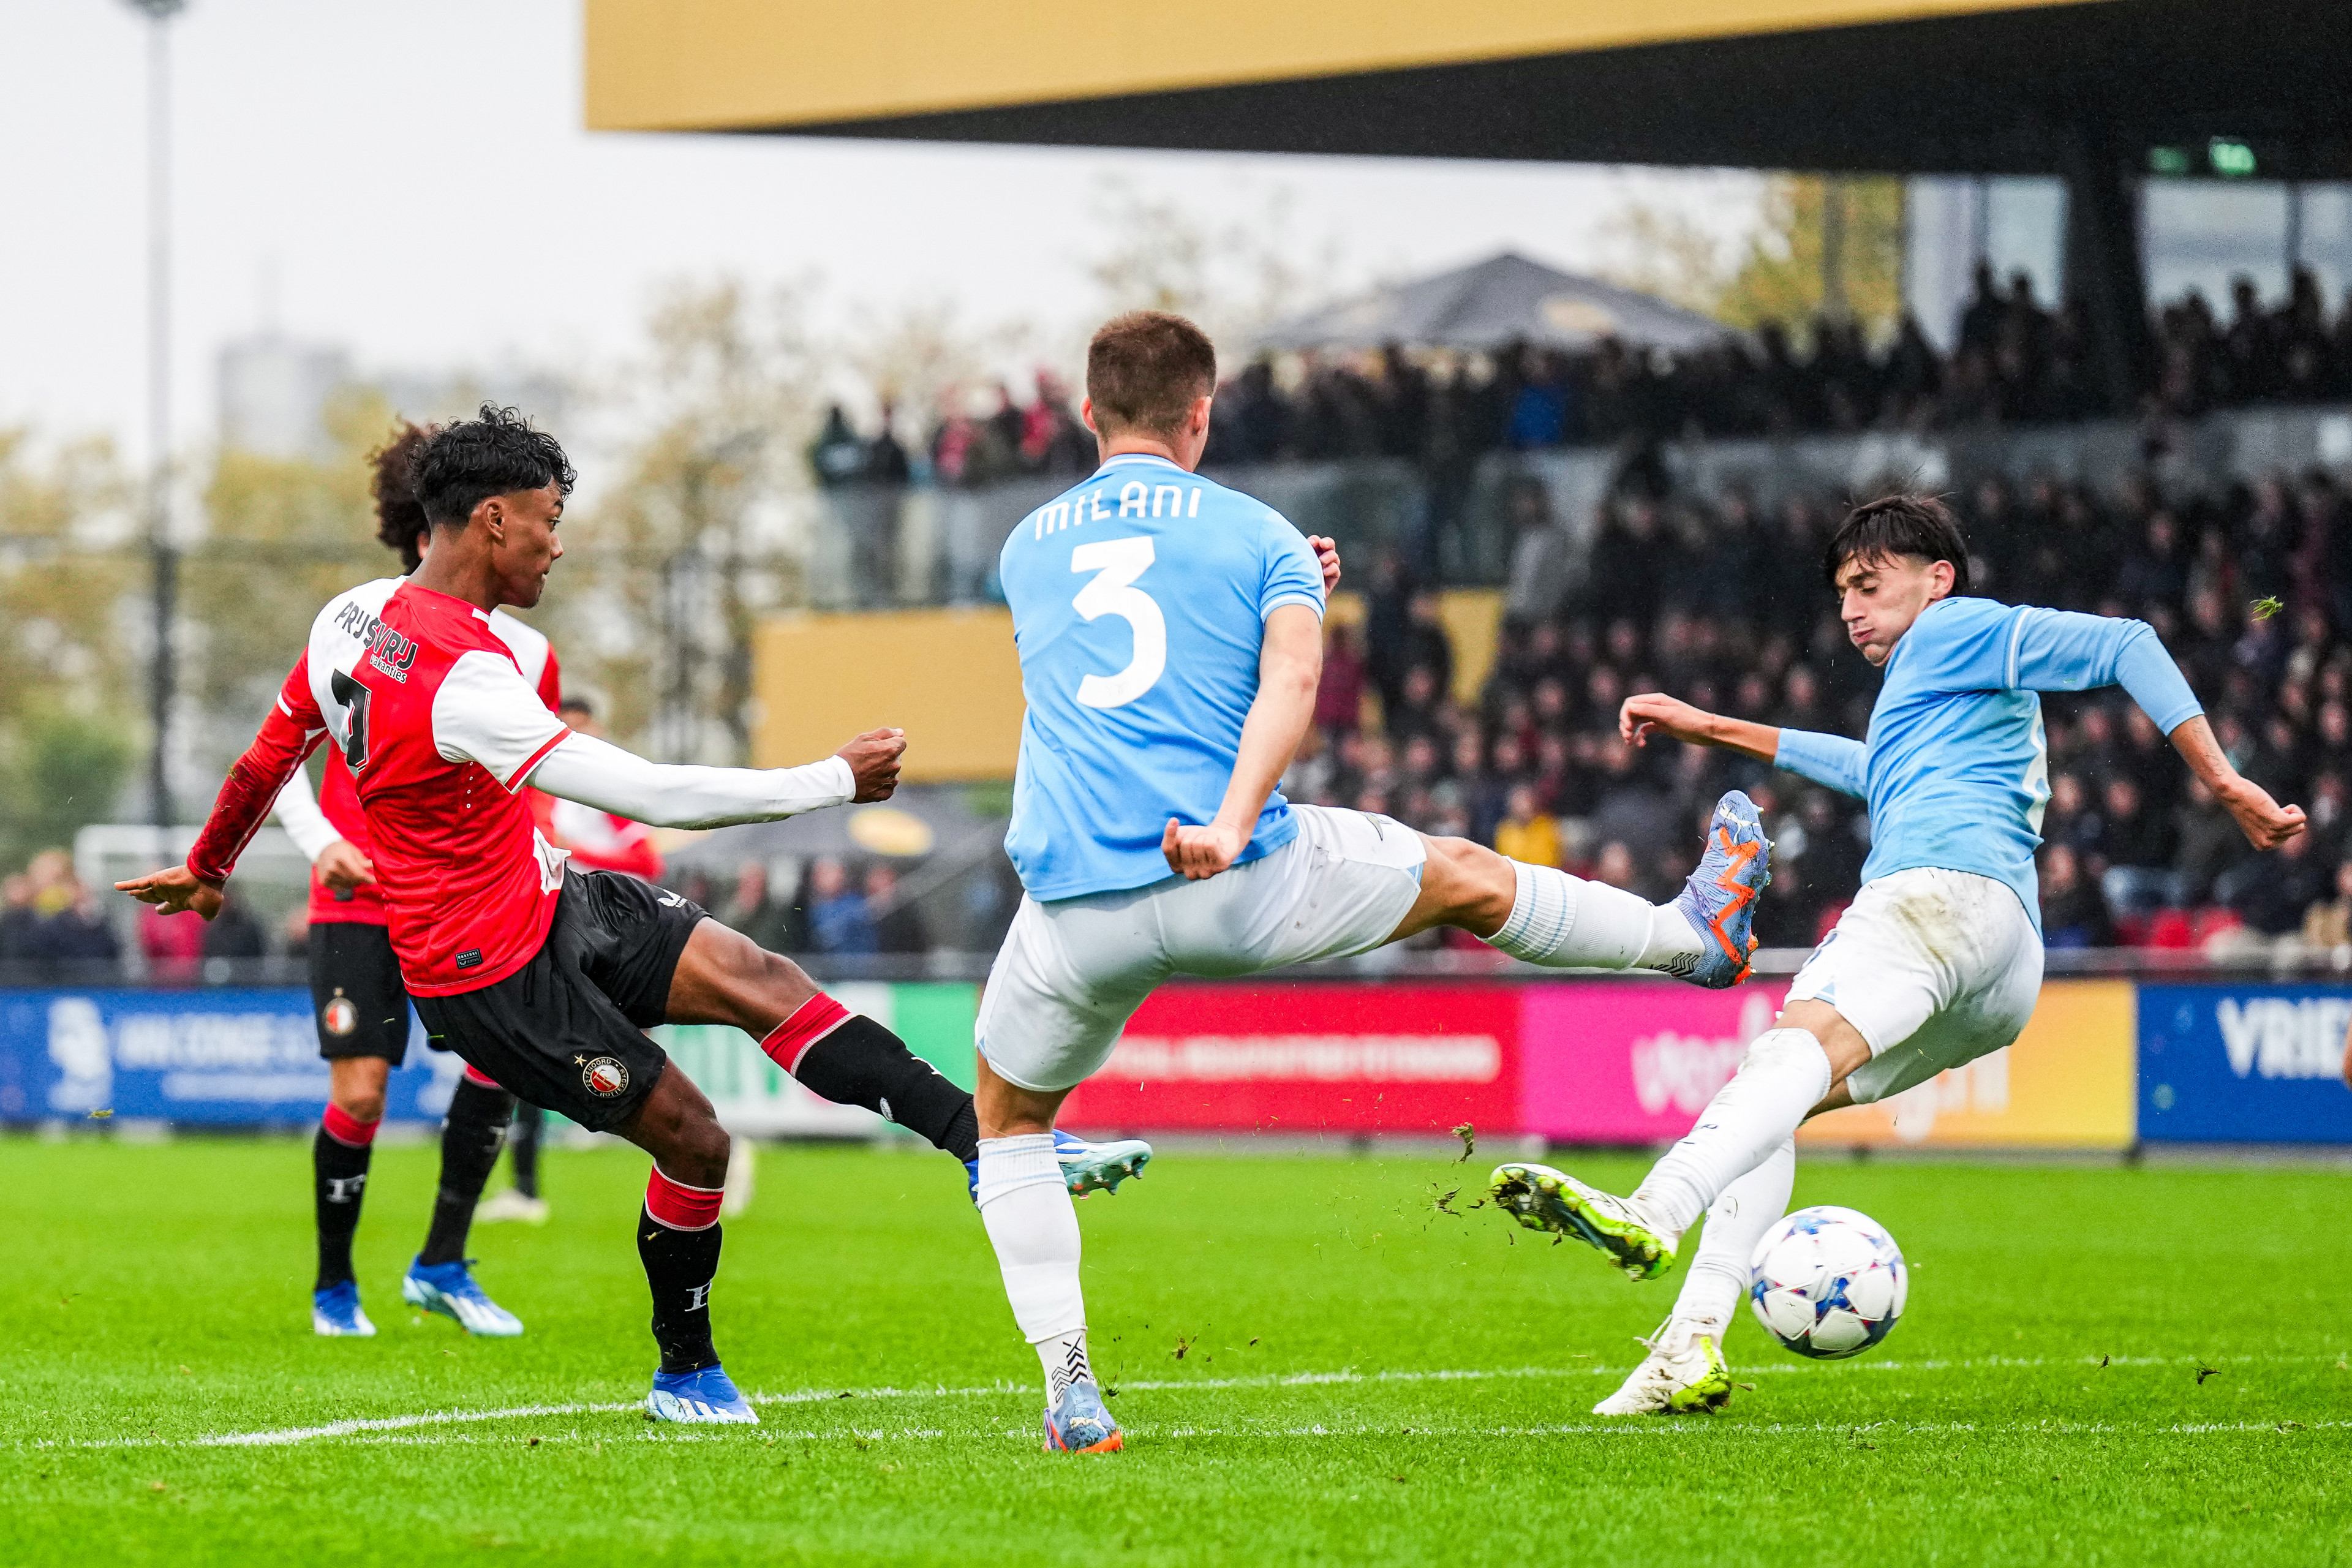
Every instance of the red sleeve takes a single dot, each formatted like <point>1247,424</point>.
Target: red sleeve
<point>550,683</point>
<point>290,735</point>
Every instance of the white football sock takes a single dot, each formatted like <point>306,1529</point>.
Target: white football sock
<point>1735,1222</point>
<point>1784,1074</point>
<point>1565,923</point>
<point>1033,1226</point>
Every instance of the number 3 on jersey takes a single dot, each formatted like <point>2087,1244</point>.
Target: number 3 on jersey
<point>1116,563</point>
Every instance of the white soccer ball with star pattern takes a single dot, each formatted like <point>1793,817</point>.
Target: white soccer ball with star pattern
<point>1828,1282</point>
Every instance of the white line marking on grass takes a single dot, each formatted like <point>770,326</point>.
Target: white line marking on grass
<point>362,1426</point>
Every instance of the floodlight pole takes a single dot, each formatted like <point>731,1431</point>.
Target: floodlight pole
<point>162,553</point>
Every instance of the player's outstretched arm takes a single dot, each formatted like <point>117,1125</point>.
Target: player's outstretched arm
<point>246,798</point>
<point>2265,823</point>
<point>1651,711</point>
<point>1831,760</point>
<point>598,773</point>
<point>1290,667</point>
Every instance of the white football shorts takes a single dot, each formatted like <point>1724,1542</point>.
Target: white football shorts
<point>1934,968</point>
<point>1072,970</point>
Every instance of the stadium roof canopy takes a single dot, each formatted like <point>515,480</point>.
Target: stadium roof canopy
<point>1503,299</point>
<point>1911,86</point>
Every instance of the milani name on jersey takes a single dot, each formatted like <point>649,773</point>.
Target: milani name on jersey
<point>439,728</point>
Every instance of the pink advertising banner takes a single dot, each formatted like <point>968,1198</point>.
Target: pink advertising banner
<point>1621,1061</point>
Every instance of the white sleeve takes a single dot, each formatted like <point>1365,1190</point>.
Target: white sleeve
<point>598,774</point>
<point>298,814</point>
<point>485,712</point>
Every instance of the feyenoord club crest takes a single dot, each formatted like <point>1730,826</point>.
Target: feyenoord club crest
<point>339,1016</point>
<point>605,1077</point>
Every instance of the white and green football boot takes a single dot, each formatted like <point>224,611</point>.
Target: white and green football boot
<point>1683,1374</point>
<point>1544,1199</point>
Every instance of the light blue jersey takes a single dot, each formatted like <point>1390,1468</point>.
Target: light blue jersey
<point>1139,603</point>
<point>1955,767</point>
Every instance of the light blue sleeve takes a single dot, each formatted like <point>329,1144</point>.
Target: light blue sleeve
<point>1292,575</point>
<point>1979,646</point>
<point>1831,760</point>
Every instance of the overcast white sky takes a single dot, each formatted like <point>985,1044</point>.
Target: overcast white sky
<point>416,180</point>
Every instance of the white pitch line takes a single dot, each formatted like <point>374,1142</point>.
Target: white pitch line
<point>360,1426</point>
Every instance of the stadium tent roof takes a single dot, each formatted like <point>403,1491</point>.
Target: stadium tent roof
<point>1910,85</point>
<point>1503,299</point>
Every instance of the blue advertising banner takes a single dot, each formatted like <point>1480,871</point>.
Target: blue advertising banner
<point>2243,1064</point>
<point>227,1055</point>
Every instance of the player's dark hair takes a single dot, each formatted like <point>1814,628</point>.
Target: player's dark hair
<point>1144,370</point>
<point>575,703</point>
<point>1901,525</point>
<point>460,466</point>
<point>398,517</point>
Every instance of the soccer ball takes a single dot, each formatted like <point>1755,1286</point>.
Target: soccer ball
<point>1828,1282</point>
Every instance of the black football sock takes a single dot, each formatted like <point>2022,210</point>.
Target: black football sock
<point>680,1267</point>
<point>522,1143</point>
<point>862,1063</point>
<point>339,1173</point>
<point>471,1136</point>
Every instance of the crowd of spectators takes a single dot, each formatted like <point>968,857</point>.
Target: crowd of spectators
<point>49,919</point>
<point>823,906</point>
<point>2014,360</point>
<point>1725,607</point>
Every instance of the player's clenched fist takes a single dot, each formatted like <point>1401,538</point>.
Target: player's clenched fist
<point>1327,555</point>
<point>873,759</point>
<point>1199,853</point>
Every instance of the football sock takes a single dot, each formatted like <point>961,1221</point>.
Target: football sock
<point>1033,1226</point>
<point>522,1144</point>
<point>850,1059</point>
<point>678,1241</point>
<point>338,1170</point>
<point>1784,1074</point>
<point>1735,1222</point>
<point>471,1136</point>
<point>1565,923</point>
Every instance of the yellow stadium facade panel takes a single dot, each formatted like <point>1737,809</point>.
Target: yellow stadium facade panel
<point>947,678</point>
<point>735,65</point>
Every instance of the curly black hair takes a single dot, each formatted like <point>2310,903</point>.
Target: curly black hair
<point>462,465</point>
<point>399,520</point>
<point>1900,524</point>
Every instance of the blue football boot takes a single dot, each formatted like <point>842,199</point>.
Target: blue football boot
<point>1086,1167</point>
<point>704,1397</point>
<point>449,1290</point>
<point>335,1313</point>
<point>1078,1424</point>
<point>1719,898</point>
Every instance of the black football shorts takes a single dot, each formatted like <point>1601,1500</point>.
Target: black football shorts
<point>356,996</point>
<point>566,1031</point>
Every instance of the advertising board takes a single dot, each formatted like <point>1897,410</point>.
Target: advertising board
<point>1634,1062</point>
<point>1312,1057</point>
<point>2243,1064</point>
<point>251,1055</point>
<point>209,1055</point>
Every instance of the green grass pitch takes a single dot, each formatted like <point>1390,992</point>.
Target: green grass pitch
<point>1362,1378</point>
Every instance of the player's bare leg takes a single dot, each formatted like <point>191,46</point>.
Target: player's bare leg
<point>678,1237</point>
<point>1546,917</point>
<point>724,977</point>
<point>1032,1223</point>
<point>1792,1071</point>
